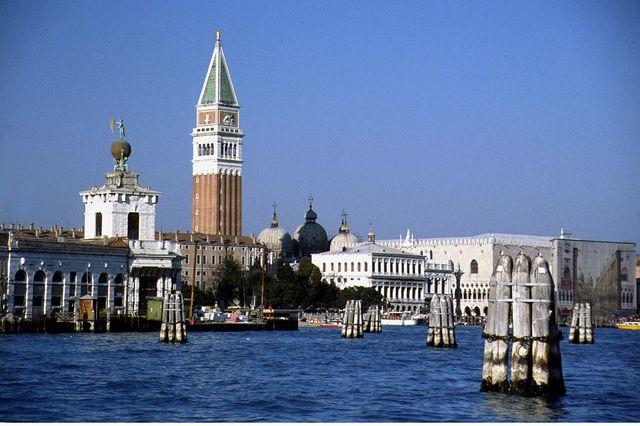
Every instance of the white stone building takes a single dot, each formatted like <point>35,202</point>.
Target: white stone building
<point>115,258</point>
<point>403,278</point>
<point>476,257</point>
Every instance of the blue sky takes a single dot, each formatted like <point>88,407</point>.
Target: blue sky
<point>448,118</point>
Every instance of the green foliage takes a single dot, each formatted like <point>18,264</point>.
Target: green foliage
<point>284,288</point>
<point>227,282</point>
<point>368,295</point>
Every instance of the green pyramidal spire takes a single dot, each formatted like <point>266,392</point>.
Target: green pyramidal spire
<point>218,87</point>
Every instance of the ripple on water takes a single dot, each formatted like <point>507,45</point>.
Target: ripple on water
<point>309,375</point>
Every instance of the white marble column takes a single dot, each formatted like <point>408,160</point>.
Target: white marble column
<point>46,304</point>
<point>110,294</point>
<point>28,299</point>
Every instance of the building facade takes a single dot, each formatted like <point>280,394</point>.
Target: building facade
<point>217,153</point>
<point>476,256</point>
<point>119,263</point>
<point>405,280</point>
<point>203,254</point>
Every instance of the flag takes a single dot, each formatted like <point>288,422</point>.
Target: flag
<point>112,123</point>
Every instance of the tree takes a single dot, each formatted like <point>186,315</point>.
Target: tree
<point>227,282</point>
<point>368,295</point>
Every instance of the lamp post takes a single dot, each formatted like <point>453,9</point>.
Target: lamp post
<point>458,292</point>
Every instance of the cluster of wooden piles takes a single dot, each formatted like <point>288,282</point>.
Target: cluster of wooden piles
<point>352,320</point>
<point>441,332</point>
<point>525,294</point>
<point>173,328</point>
<point>372,320</point>
<point>581,321</point>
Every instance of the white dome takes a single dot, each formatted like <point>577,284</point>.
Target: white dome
<point>343,240</point>
<point>275,238</point>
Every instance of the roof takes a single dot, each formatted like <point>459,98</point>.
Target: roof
<point>370,248</point>
<point>217,87</point>
<point>200,238</point>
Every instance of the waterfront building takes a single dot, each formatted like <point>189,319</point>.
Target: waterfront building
<point>406,280</point>
<point>202,254</point>
<point>598,272</point>
<point>310,237</point>
<point>217,153</point>
<point>276,240</point>
<point>114,258</point>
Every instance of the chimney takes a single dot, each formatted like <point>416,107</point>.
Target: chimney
<point>19,227</point>
<point>191,237</point>
<point>208,238</point>
<point>73,232</point>
<point>38,232</point>
<point>31,227</point>
<point>2,226</point>
<point>105,240</point>
<point>176,237</point>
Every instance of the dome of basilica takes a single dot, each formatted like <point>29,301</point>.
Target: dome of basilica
<point>344,238</point>
<point>276,239</point>
<point>310,237</point>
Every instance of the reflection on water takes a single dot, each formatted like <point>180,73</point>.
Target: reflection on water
<point>308,375</point>
<point>515,408</point>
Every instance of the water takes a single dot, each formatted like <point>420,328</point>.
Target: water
<point>308,375</point>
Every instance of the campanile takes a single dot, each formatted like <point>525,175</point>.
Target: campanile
<point>217,153</point>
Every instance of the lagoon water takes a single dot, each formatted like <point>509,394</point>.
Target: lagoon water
<point>306,375</point>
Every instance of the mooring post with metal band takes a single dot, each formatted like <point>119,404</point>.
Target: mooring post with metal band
<point>367,321</point>
<point>345,319</point>
<point>588,332</point>
<point>452,326</point>
<point>547,362</point>
<point>582,323</point>
<point>573,336</point>
<point>431,324</point>
<point>171,318</point>
<point>437,326</point>
<point>494,370</point>
<point>444,321</point>
<point>164,337</point>
<point>359,330</point>
<point>500,346</point>
<point>521,374</point>
<point>181,331</point>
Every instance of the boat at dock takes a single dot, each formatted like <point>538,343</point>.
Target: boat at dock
<point>397,318</point>
<point>629,325</point>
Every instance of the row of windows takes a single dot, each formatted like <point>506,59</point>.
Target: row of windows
<point>202,260</point>
<point>226,149</point>
<point>382,267</point>
<point>220,248</point>
<point>37,294</point>
<point>87,277</point>
<point>133,225</point>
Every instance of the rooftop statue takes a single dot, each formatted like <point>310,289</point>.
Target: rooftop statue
<point>120,124</point>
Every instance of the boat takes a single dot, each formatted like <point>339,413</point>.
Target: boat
<point>330,325</point>
<point>397,318</point>
<point>629,325</point>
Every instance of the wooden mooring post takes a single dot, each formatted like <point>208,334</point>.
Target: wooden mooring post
<point>581,330</point>
<point>352,326</point>
<point>526,294</point>
<point>372,320</point>
<point>172,329</point>
<point>441,329</point>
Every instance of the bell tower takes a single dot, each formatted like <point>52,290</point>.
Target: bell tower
<point>217,153</point>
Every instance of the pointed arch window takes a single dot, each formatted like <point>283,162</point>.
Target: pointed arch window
<point>474,266</point>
